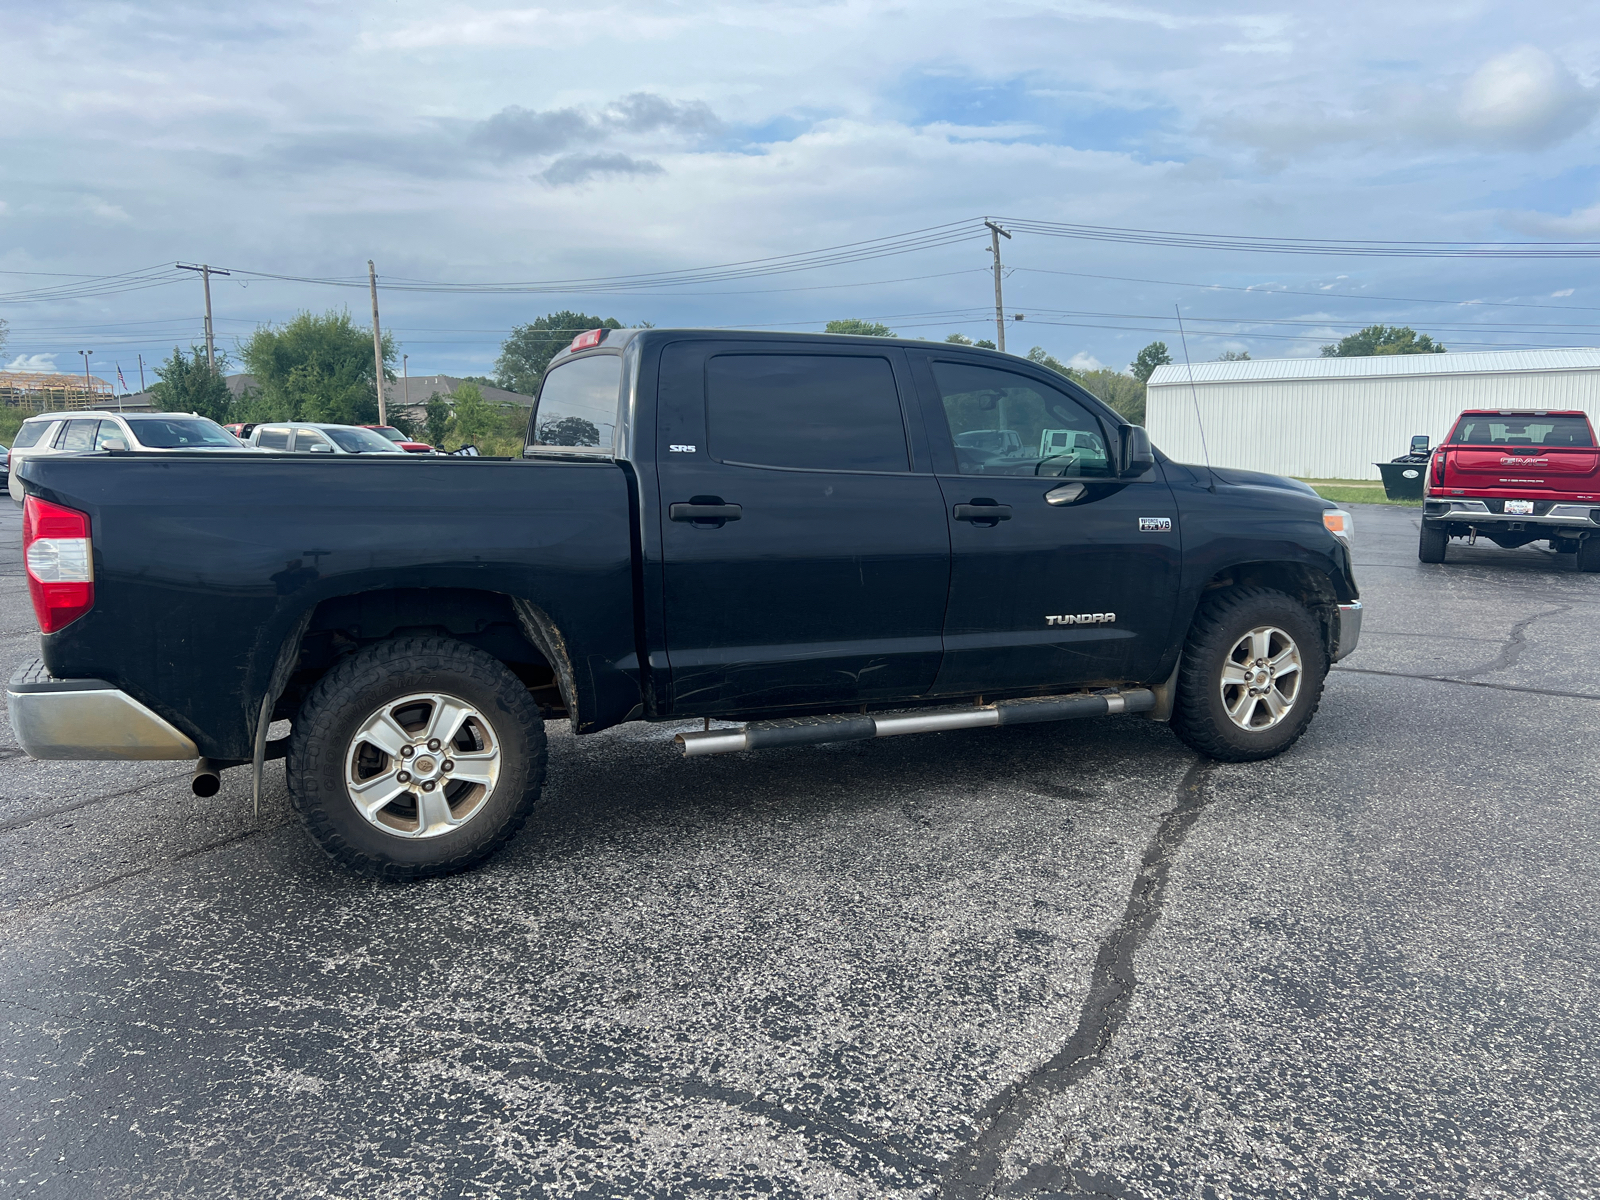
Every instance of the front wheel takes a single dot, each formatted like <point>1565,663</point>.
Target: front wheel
<point>1252,674</point>
<point>1432,544</point>
<point>414,757</point>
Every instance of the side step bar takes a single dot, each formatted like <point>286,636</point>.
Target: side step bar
<point>810,731</point>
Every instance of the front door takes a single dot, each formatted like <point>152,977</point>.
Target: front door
<point>1062,574</point>
<point>806,555</point>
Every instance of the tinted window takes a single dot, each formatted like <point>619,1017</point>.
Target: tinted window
<point>361,441</point>
<point>304,439</point>
<point>276,438</point>
<point>1007,424</point>
<point>824,412</point>
<point>79,435</point>
<point>29,434</point>
<point>109,431</point>
<point>180,433</point>
<point>1496,429</point>
<point>578,403</point>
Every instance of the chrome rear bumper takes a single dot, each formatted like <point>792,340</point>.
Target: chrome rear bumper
<point>1349,630</point>
<point>87,719</point>
<point>1476,512</point>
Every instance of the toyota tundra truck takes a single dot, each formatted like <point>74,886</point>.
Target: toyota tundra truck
<point>1513,478</point>
<point>764,540</point>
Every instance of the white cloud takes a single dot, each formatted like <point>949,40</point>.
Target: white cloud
<point>1084,361</point>
<point>1525,97</point>
<point>1562,294</point>
<point>34,362</point>
<point>1580,223</point>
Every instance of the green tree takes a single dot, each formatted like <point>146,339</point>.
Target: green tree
<point>438,419</point>
<point>1234,356</point>
<point>958,339</point>
<point>528,351</point>
<point>1383,339</point>
<point>474,416</point>
<point>1122,392</point>
<point>859,328</point>
<point>316,368</point>
<point>1152,356</point>
<point>186,384</point>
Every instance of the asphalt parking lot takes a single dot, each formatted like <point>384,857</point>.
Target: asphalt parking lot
<point>1061,961</point>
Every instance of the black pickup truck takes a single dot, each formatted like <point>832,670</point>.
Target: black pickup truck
<point>816,538</point>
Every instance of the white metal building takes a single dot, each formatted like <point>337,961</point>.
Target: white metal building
<point>1333,418</point>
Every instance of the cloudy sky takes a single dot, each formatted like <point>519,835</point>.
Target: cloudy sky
<point>493,143</point>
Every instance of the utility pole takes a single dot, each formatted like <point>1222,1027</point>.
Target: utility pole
<point>141,372</point>
<point>87,390</point>
<point>405,370</point>
<point>995,234</point>
<point>377,343</point>
<point>206,272</point>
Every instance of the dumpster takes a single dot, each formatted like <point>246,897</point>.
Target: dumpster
<point>1403,480</point>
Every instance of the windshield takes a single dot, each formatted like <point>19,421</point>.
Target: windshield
<point>361,441</point>
<point>390,432</point>
<point>179,433</point>
<point>1522,429</point>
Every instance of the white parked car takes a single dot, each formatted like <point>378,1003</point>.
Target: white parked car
<point>302,437</point>
<point>77,432</point>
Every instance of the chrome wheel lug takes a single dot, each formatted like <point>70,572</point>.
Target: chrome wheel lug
<point>404,777</point>
<point>433,743</point>
<point>407,751</point>
<point>428,786</point>
<point>449,765</point>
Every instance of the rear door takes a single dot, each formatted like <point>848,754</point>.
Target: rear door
<point>1061,573</point>
<point>806,556</point>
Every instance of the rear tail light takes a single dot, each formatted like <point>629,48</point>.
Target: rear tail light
<point>586,341</point>
<point>1438,466</point>
<point>60,562</point>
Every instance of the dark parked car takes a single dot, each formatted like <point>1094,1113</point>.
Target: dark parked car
<point>794,533</point>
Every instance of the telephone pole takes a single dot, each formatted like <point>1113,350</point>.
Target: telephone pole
<point>87,389</point>
<point>141,372</point>
<point>995,234</point>
<point>377,343</point>
<point>206,272</point>
<point>405,369</point>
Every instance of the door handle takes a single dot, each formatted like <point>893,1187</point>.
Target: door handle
<point>704,512</point>
<point>983,512</point>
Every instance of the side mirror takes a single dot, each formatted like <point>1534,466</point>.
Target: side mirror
<point>1419,444</point>
<point>320,449</point>
<point>113,444</point>
<point>1136,456</point>
<point>466,452</point>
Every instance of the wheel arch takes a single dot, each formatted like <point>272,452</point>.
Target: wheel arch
<point>1315,589</point>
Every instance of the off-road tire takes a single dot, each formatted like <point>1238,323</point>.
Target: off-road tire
<point>1432,543</point>
<point>344,697</point>
<point>1589,554</point>
<point>1199,718</point>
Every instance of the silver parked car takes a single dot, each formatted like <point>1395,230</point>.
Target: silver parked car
<point>77,432</point>
<point>309,437</point>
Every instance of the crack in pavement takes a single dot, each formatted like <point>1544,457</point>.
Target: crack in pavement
<point>1480,683</point>
<point>46,814</point>
<point>973,1171</point>
<point>1515,643</point>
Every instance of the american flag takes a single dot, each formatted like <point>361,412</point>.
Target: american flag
<point>120,379</point>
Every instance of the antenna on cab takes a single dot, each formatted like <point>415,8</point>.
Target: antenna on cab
<point>1195,396</point>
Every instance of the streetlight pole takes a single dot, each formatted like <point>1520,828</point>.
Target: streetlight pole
<point>87,390</point>
<point>995,234</point>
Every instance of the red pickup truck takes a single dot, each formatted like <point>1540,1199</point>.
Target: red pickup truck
<point>1515,478</point>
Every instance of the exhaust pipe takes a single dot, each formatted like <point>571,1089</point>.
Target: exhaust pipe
<point>207,778</point>
<point>810,731</point>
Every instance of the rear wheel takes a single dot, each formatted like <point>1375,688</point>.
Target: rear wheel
<point>414,757</point>
<point>1589,554</point>
<point>1252,674</point>
<point>1433,542</point>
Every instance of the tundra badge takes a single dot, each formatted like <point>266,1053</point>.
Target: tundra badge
<point>1082,619</point>
<point>1155,524</point>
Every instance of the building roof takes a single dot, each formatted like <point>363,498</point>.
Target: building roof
<point>1472,362</point>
